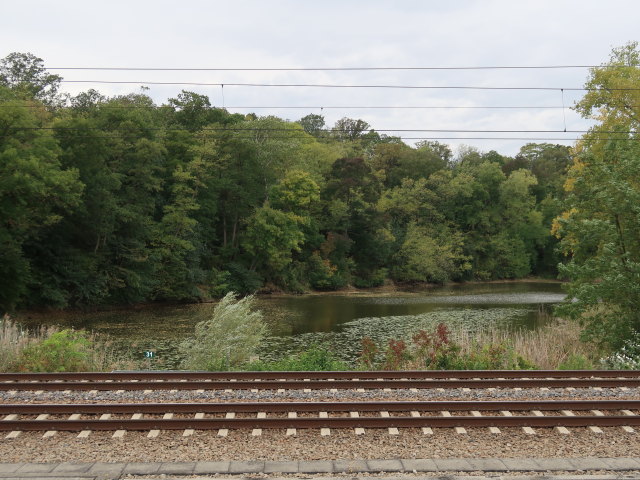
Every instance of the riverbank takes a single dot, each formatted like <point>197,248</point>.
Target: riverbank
<point>337,320</point>
<point>390,288</point>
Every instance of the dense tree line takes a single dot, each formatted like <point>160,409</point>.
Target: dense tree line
<point>119,200</point>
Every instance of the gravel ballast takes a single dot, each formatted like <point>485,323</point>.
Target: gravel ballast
<point>171,446</point>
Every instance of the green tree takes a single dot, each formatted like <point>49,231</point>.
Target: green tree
<point>430,256</point>
<point>312,124</point>
<point>600,230</point>
<point>35,191</point>
<point>24,73</point>
<point>349,129</point>
<point>272,236</point>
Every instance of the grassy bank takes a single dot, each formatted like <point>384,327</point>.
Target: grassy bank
<point>50,349</point>
<point>556,345</point>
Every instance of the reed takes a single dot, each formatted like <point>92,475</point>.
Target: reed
<point>14,340</point>
<point>555,345</point>
<point>48,348</point>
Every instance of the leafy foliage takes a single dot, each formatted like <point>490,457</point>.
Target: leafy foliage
<point>438,351</point>
<point>625,358</point>
<point>316,358</point>
<point>119,200</point>
<point>227,339</point>
<point>64,351</point>
<point>599,230</point>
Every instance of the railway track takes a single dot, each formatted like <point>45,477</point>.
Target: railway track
<point>323,416</point>
<point>317,380</point>
<point>319,415</point>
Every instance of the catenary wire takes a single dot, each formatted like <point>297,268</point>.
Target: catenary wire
<point>317,107</point>
<point>332,85</point>
<point>287,137</point>
<point>333,130</point>
<point>317,69</point>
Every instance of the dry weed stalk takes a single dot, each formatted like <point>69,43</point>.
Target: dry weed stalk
<point>547,347</point>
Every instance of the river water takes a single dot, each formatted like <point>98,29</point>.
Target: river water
<point>337,321</point>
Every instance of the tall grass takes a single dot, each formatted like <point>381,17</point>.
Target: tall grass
<point>50,349</point>
<point>555,345</point>
<point>14,340</point>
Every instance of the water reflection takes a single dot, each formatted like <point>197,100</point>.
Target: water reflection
<point>161,328</point>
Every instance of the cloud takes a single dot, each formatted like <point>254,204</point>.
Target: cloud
<point>287,33</point>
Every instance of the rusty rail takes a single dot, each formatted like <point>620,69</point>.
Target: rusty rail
<point>383,374</point>
<point>280,407</point>
<point>323,384</point>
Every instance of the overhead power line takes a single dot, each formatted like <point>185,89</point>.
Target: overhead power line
<point>331,85</point>
<point>129,136</point>
<point>327,130</point>
<point>333,69</point>
<point>327,107</point>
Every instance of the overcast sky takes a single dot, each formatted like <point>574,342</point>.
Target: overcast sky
<point>340,33</point>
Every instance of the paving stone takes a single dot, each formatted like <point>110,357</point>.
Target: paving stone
<point>580,477</point>
<point>72,467</point>
<point>177,468</point>
<point>350,466</point>
<point>622,463</point>
<point>36,468</point>
<point>251,466</point>
<point>453,464</point>
<point>140,468</point>
<point>211,467</point>
<point>419,465</point>
<point>557,464</point>
<point>9,467</point>
<point>589,463</point>
<point>281,467</point>
<point>105,469</point>
<point>315,466</point>
<point>487,464</point>
<point>520,464</point>
<point>51,476</point>
<point>385,465</point>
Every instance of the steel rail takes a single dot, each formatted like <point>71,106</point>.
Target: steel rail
<point>280,407</point>
<point>317,423</point>
<point>409,374</point>
<point>324,384</point>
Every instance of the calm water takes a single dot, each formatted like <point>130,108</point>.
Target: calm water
<point>336,320</point>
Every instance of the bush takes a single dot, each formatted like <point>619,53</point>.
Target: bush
<point>48,349</point>
<point>375,278</point>
<point>627,357</point>
<point>437,351</point>
<point>322,274</point>
<point>315,359</point>
<point>228,338</point>
<point>14,339</point>
<point>64,351</point>
<point>576,362</point>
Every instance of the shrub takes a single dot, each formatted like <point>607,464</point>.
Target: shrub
<point>576,362</point>
<point>48,349</point>
<point>64,351</point>
<point>367,359</point>
<point>396,355</point>
<point>228,338</point>
<point>14,339</point>
<point>627,357</point>
<point>437,351</point>
<point>316,358</point>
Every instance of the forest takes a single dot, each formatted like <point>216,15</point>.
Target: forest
<point>119,200</point>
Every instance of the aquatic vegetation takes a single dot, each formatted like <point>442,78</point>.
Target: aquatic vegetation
<point>347,342</point>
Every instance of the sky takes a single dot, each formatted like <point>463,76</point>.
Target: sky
<point>245,34</point>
